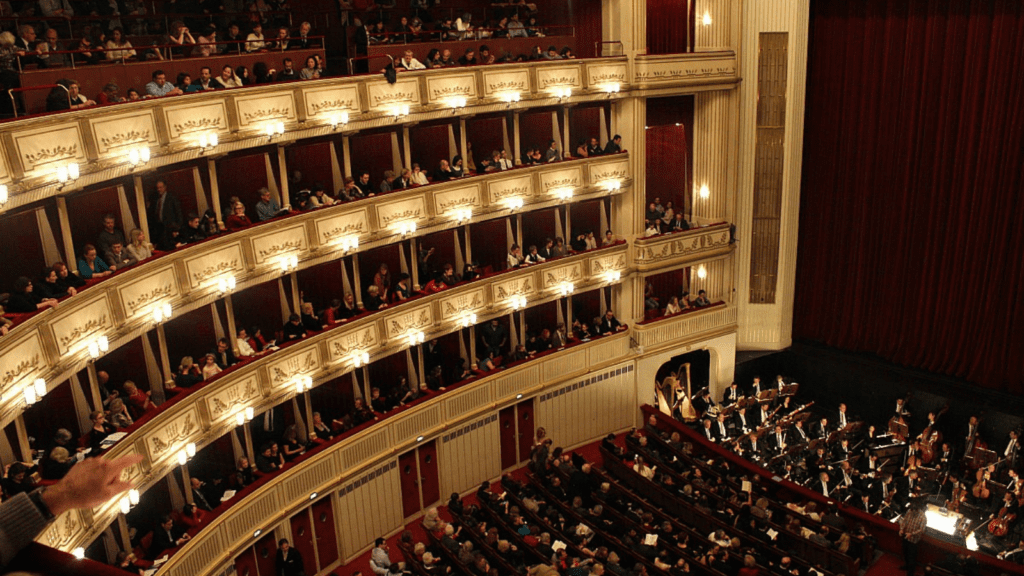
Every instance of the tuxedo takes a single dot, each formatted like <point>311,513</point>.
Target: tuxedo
<point>731,396</point>
<point>290,564</point>
<point>755,450</point>
<point>820,431</point>
<point>756,389</point>
<point>708,433</point>
<point>164,540</point>
<point>778,442</point>
<point>721,430</point>
<point>842,419</point>
<point>742,422</point>
<point>823,488</point>
<point>798,435</point>
<point>609,325</point>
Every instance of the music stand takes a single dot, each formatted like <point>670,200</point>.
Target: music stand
<point>834,437</point>
<point>767,396</point>
<point>897,428</point>
<point>815,444</point>
<point>790,389</point>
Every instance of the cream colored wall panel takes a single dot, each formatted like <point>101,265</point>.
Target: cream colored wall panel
<point>401,324</point>
<point>608,172</point>
<point>23,363</point>
<point>499,82</point>
<point>267,247</point>
<point>64,530</point>
<point>417,422</point>
<point>408,210</point>
<point>384,96</point>
<point>74,328</point>
<point>302,485</point>
<point>440,89</point>
<point>461,455</point>
<point>687,325</point>
<point>366,447</point>
<point>167,439</point>
<point>117,133</point>
<point>329,100</point>
<point>200,555</point>
<point>577,411</point>
<point>228,400</point>
<point>449,201</point>
<point>716,35</point>
<point>555,277</point>
<point>341,348</point>
<point>42,150</point>
<point>599,75</point>
<point>140,295</point>
<point>189,121</point>
<point>567,364</point>
<point>517,382</point>
<point>602,265</point>
<point>684,69</point>
<point>559,76</point>
<point>208,268</point>
<point>241,525</point>
<point>256,110</point>
<point>466,400</point>
<point>553,180</point>
<point>284,372</point>
<point>499,191</point>
<point>457,307</point>
<point>5,167</point>
<point>521,286</point>
<point>608,351</point>
<point>339,227</point>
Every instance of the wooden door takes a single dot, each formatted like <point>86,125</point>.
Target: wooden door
<point>245,563</point>
<point>429,478</point>
<point>266,554</point>
<point>507,431</point>
<point>524,421</point>
<point>408,468</point>
<point>325,533</point>
<point>302,539</point>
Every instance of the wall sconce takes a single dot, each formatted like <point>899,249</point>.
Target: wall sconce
<point>456,102</point>
<point>349,243</point>
<point>706,20</point>
<point>702,272</point>
<point>514,203</point>
<point>98,346</point>
<point>339,119</point>
<point>225,285</point>
<point>562,92</point>
<point>208,140</point>
<point>610,88</point>
<point>35,391</point>
<point>78,553</point>
<point>613,276</point>
<point>400,110</point>
<point>566,288</point>
<point>563,194</point>
<point>3,194</point>
<point>463,214</point>
<point>243,416</point>
<point>274,129</point>
<point>129,501</point>
<point>289,263</point>
<point>612,185</point>
<point>187,453</point>
<point>416,337</point>
<point>509,97</point>
<point>138,156</point>
<point>704,192</point>
<point>67,173</point>
<point>468,319</point>
<point>162,313</point>
<point>406,228</point>
<point>360,359</point>
<point>518,302</point>
<point>303,383</point>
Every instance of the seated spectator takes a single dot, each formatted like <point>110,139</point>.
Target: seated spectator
<point>57,463</point>
<point>594,148</point>
<point>458,170</point>
<point>234,40</point>
<point>166,536</point>
<point>223,354</point>
<point>609,323</point>
<point>178,36</point>
<point>183,82</point>
<point>56,8</point>
<point>533,257</point>
<point>311,71</point>
<point>290,446</point>
<point>138,401</point>
<point>92,267</point>
<point>402,289</point>
<point>579,242</point>
<point>139,248</point>
<point>243,76</point>
<point>159,86</point>
<point>280,41</point>
<point>109,95</point>
<point>409,62</point>
<point>293,329</point>
<point>668,213</point>
<point>374,301</point>
<point>49,47</point>
<point>192,516</point>
<point>444,172</point>
<point>254,42</point>
<point>590,240</point>
<point>266,462</point>
<point>119,416</point>
<point>515,256</point>
<point>133,95</point>
<point>51,288</point>
<point>207,43</point>
<point>387,184</point>
<point>434,59</point>
<point>210,367</point>
<point>238,220</point>
<point>65,279</point>
<point>365,188</point>
<point>188,374</point>
<point>552,154</point>
<point>17,481</point>
<point>267,208</point>
<point>245,473</point>
<point>191,233</point>
<point>567,53</point>
<point>673,307</point>
<point>227,78</point>
<point>109,234</point>
<point>26,299</point>
<point>99,432</point>
<point>652,229</point>
<point>679,223</point>
<point>287,72</point>
<point>119,258</point>
<point>310,321</point>
<point>702,300</point>
<point>321,431</point>
<point>468,58</point>
<point>67,98</point>
<point>258,342</point>
<point>346,310</point>
<point>262,74</point>
<point>614,145</point>
<point>319,198</point>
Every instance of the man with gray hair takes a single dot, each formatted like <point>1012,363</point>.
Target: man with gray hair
<point>267,207</point>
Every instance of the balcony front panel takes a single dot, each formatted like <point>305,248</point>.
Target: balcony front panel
<point>686,327</point>
<point>679,248</point>
<point>698,69</point>
<point>54,343</point>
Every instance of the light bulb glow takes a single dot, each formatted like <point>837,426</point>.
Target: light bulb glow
<point>704,192</point>
<point>190,449</point>
<point>612,185</point>
<point>144,154</point>
<point>706,20</point>
<point>214,139</point>
<point>94,350</point>
<point>103,343</point>
<point>133,496</point>
<point>463,214</point>
<point>566,288</point>
<point>62,174</point>
<point>515,203</point>
<point>78,553</point>
<point>563,194</point>
<point>222,285</point>
<point>510,97</point>
<point>250,412</point>
<point>518,302</point>
<point>30,395</point>
<point>133,156</point>
<point>40,387</point>
<point>613,276</point>
<point>125,505</point>
<point>203,141</point>
<point>702,272</point>
<point>611,87</point>
<point>344,117</point>
<point>3,194</point>
<point>182,458</point>
<point>73,172</point>
<point>279,128</point>
<point>240,418</point>
<point>158,315</point>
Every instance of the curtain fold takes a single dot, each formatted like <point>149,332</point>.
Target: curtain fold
<point>910,238</point>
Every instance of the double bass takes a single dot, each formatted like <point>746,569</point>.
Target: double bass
<point>957,498</point>
<point>931,438</point>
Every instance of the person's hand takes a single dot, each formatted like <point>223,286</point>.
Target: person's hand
<point>89,484</point>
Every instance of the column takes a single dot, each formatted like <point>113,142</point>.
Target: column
<point>229,307</point>
<point>282,167</point>
<point>462,143</point>
<point>356,281</point>
<point>65,232</point>
<point>346,156</point>
<point>296,300</point>
<point>406,147</point>
<point>211,169</point>
<point>629,117</point>
<point>517,153</point>
<point>94,386</point>
<point>415,265</point>
<point>140,203</point>
<point>165,361</point>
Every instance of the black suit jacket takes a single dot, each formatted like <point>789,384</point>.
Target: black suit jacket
<point>162,541</point>
<point>172,211</point>
<point>609,326</point>
<point>292,566</point>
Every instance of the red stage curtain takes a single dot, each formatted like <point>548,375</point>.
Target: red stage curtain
<point>910,237</point>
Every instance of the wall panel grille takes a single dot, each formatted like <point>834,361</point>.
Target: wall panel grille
<point>768,165</point>
<point>461,453</point>
<point>370,506</point>
<point>588,408</point>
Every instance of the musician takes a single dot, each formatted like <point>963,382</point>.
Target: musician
<point>817,462</point>
<point>932,423</point>
<point>901,408</point>
<point>1013,484</point>
<point>847,479</point>
<point>885,490</point>
<point>1014,553</point>
<point>1012,447</point>
<point>1007,512</point>
<point>778,441</point>
<point>908,487</point>
<point>780,383</point>
<point>764,417</point>
<point>741,422</point>
<point>720,429</point>
<point>732,395</point>
<point>866,505</point>
<point>841,451</point>
<point>972,433</point>
<point>841,419</point>
<point>707,431</point>
<point>870,466</point>
<point>821,429</point>
<point>753,447</point>
<point>702,403</point>
<point>822,486</point>
<point>798,435</point>
<point>756,387</point>
<point>946,457</point>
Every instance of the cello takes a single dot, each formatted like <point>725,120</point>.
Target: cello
<point>980,489</point>
<point>931,437</point>
<point>1000,525</point>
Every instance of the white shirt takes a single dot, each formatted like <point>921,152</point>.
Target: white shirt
<point>842,419</point>
<point>412,64</point>
<point>243,348</point>
<point>1010,446</point>
<point>254,42</point>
